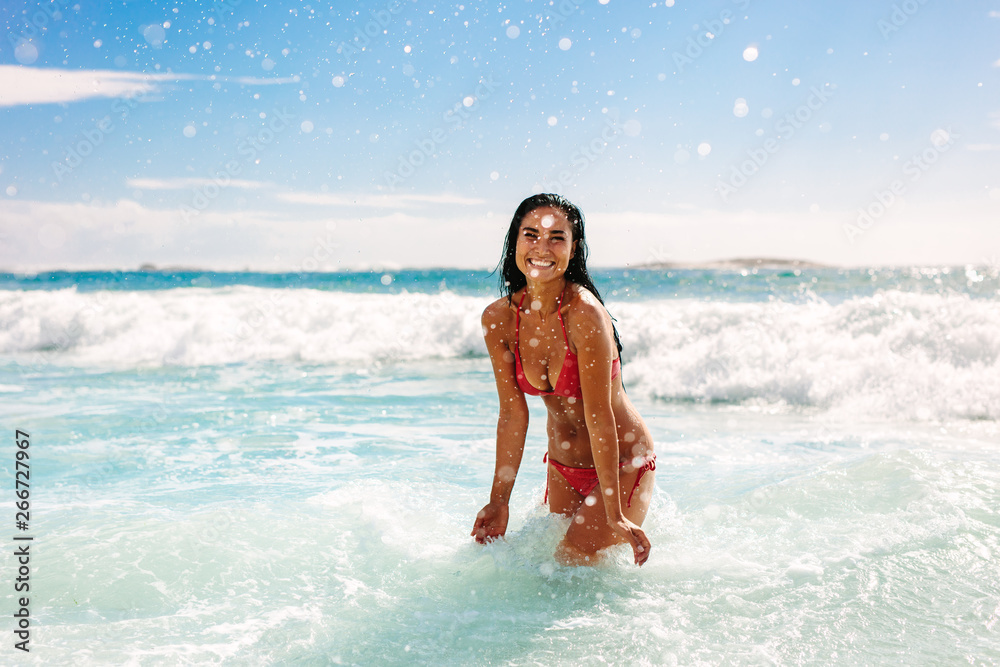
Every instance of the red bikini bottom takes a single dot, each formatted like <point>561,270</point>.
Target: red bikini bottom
<point>584,480</point>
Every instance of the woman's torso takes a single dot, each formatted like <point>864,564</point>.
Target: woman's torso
<point>545,353</point>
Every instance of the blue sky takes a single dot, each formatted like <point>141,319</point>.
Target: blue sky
<point>322,136</point>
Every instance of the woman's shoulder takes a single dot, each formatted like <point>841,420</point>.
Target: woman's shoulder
<point>581,303</point>
<point>498,311</point>
<point>584,311</point>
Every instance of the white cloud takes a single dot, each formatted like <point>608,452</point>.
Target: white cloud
<point>377,201</point>
<point>192,183</point>
<point>126,234</point>
<point>906,235</point>
<point>21,85</point>
<point>983,147</point>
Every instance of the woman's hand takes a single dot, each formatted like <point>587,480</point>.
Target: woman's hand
<point>635,536</point>
<point>491,523</point>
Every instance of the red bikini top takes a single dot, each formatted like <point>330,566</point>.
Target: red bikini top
<point>568,383</point>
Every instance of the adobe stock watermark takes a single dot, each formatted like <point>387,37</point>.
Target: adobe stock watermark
<point>60,338</point>
<point>264,310</point>
<point>587,154</point>
<point>899,16</point>
<point>659,255</point>
<point>991,266</point>
<point>913,169</point>
<point>707,34</point>
<point>375,26</point>
<point>426,148</point>
<point>151,421</point>
<point>25,51</point>
<point>79,149</point>
<point>249,148</point>
<point>784,128</point>
<point>563,11</point>
<point>223,7</point>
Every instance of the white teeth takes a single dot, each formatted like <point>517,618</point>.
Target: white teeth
<point>535,262</point>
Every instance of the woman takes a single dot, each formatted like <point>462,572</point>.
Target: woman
<point>552,337</point>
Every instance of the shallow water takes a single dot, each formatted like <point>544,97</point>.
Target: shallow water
<point>307,496</point>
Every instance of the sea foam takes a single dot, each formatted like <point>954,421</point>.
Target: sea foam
<point>919,356</point>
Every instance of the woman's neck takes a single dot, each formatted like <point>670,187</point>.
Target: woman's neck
<point>544,298</point>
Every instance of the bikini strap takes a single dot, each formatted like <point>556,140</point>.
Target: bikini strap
<point>559,313</point>
<point>517,322</point>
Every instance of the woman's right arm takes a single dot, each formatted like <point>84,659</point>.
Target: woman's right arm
<point>512,424</point>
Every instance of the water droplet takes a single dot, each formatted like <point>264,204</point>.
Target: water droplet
<point>26,53</point>
<point>704,149</point>
<point>750,54</point>
<point>565,43</point>
<point>155,34</point>
<point>513,31</point>
<point>740,108</point>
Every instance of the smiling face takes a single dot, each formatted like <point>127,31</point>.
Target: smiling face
<point>544,244</point>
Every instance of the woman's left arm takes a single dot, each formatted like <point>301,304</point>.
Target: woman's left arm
<point>595,353</point>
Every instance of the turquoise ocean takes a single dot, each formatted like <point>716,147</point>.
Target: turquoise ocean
<point>250,468</point>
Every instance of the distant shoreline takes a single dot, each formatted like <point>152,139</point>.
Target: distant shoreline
<point>738,263</point>
<point>731,264</point>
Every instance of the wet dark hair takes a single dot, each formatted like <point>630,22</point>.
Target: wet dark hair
<point>511,277</point>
